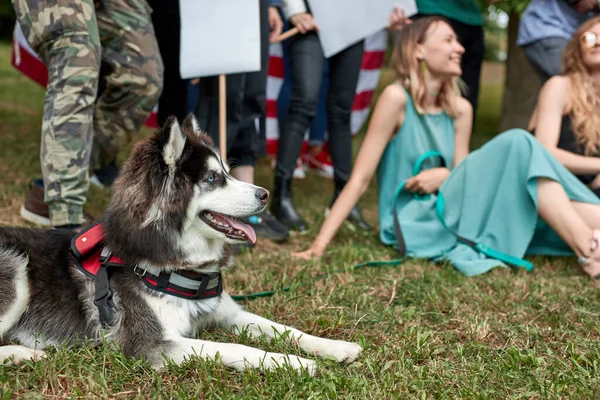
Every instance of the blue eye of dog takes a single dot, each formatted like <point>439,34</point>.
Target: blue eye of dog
<point>212,178</point>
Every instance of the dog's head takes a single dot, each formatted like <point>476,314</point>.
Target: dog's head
<point>175,198</point>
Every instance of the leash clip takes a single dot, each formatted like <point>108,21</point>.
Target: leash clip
<point>137,269</point>
<point>104,255</point>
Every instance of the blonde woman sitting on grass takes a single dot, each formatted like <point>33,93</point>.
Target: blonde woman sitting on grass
<point>511,196</point>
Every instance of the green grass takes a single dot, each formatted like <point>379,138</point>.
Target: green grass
<point>427,331</point>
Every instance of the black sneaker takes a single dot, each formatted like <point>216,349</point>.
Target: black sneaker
<point>105,176</point>
<point>266,226</point>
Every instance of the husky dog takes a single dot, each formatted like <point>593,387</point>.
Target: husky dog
<point>148,276</point>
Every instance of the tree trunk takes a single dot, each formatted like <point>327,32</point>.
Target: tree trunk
<point>522,85</point>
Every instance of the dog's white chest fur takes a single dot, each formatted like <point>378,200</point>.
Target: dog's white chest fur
<point>177,316</point>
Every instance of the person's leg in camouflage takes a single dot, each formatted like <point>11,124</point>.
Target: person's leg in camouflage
<point>64,34</point>
<point>133,82</point>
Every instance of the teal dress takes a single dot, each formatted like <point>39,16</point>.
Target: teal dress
<point>490,197</point>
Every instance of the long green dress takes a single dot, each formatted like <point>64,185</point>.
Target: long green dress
<point>490,197</point>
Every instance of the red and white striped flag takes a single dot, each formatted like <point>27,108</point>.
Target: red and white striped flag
<point>25,60</point>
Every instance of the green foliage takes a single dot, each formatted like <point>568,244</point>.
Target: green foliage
<point>508,6</point>
<point>495,37</point>
<point>6,10</point>
<point>7,20</point>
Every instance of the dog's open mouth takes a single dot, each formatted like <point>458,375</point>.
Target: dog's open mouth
<point>233,228</point>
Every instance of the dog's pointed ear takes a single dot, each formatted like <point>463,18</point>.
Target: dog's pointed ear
<point>191,123</point>
<point>175,144</point>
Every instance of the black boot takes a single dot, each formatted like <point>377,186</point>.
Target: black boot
<point>355,216</point>
<point>282,207</point>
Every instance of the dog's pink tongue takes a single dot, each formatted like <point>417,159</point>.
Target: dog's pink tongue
<point>247,229</point>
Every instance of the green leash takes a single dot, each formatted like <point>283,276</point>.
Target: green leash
<point>270,293</point>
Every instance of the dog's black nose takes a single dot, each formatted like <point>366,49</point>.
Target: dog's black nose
<point>262,195</point>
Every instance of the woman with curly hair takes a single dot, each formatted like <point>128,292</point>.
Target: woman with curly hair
<point>567,116</point>
<point>489,208</point>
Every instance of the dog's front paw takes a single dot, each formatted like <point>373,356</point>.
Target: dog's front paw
<point>273,360</point>
<point>338,350</point>
<point>17,354</point>
<point>344,351</point>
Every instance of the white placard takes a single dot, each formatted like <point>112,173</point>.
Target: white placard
<point>219,37</point>
<point>344,22</point>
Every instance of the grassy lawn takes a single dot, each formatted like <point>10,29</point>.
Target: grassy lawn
<point>427,331</point>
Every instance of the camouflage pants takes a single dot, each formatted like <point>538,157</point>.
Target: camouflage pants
<point>75,39</point>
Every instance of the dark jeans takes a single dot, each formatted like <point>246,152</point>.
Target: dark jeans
<point>318,126</point>
<point>306,60</point>
<point>246,105</point>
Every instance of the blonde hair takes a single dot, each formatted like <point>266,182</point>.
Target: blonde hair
<point>584,94</point>
<point>411,72</point>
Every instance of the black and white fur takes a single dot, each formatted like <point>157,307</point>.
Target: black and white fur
<point>153,221</point>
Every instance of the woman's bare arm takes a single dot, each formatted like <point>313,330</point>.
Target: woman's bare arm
<point>387,118</point>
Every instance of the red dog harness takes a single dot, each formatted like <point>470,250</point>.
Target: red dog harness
<point>98,263</point>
